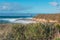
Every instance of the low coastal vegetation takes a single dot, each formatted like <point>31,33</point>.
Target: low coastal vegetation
<point>33,31</point>
<point>49,17</point>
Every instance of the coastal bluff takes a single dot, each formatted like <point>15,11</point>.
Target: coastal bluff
<point>47,18</point>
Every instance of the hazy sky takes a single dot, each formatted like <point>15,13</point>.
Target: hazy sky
<point>29,6</point>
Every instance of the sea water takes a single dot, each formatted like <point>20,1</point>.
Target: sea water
<point>17,19</point>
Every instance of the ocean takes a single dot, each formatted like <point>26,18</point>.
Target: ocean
<point>17,19</point>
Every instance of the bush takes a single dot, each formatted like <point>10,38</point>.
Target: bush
<point>38,31</point>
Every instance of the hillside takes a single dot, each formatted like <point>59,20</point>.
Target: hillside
<point>48,17</point>
<point>35,31</point>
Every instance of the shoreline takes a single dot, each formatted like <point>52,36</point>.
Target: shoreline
<point>28,20</point>
<point>19,20</point>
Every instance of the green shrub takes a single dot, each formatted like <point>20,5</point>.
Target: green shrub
<point>38,31</point>
<point>58,27</point>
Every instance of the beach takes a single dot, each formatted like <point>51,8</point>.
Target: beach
<point>19,20</point>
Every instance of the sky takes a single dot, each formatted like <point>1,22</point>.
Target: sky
<point>29,6</point>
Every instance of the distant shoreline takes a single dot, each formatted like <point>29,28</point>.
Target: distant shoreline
<point>18,20</point>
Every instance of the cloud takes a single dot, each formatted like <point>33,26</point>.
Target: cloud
<point>53,3</point>
<point>13,7</point>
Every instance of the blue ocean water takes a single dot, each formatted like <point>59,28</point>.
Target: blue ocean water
<point>16,16</point>
<point>17,19</point>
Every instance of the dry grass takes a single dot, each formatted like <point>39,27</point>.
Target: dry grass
<point>49,16</point>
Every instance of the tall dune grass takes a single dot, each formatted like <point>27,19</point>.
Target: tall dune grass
<point>34,31</point>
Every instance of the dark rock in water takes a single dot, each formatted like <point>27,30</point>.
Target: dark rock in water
<point>4,21</point>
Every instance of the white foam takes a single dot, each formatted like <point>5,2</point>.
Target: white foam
<point>20,20</point>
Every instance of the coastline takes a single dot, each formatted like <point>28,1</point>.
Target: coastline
<point>27,20</point>
<point>19,20</point>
